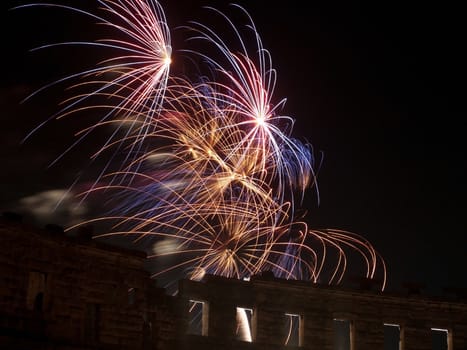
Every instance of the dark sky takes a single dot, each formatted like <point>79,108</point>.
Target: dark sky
<point>375,87</point>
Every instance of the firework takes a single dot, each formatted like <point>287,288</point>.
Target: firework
<point>210,171</point>
<point>133,79</point>
<point>245,88</point>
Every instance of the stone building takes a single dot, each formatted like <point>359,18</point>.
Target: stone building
<point>60,292</point>
<point>74,293</point>
<point>321,317</point>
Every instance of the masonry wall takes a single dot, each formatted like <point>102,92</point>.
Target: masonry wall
<point>62,293</point>
<point>366,311</point>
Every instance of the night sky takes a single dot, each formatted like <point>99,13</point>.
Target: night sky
<point>377,88</point>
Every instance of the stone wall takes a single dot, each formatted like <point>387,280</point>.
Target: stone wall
<point>63,293</point>
<point>73,292</point>
<point>317,307</point>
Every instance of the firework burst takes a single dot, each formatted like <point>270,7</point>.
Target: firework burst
<point>211,171</point>
<point>132,80</point>
<point>246,88</point>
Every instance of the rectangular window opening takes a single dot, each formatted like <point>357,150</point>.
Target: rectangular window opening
<point>92,320</point>
<point>198,317</point>
<point>293,329</point>
<point>440,339</point>
<point>342,334</point>
<point>244,329</point>
<point>392,336</point>
<point>131,296</point>
<point>36,290</point>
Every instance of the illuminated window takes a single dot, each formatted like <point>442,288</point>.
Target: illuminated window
<point>198,317</point>
<point>244,329</point>
<point>441,339</point>
<point>392,336</point>
<point>342,334</point>
<point>36,290</point>
<point>293,330</point>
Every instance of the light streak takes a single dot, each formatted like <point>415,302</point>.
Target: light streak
<point>131,81</point>
<point>209,165</point>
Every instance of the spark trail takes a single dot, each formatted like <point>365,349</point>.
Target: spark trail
<point>210,169</point>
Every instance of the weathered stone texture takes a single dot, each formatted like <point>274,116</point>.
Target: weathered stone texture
<point>366,310</point>
<point>64,293</point>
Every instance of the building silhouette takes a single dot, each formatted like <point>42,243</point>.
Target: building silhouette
<point>74,293</point>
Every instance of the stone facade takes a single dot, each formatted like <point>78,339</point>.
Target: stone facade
<point>60,292</point>
<point>63,293</point>
<point>318,308</point>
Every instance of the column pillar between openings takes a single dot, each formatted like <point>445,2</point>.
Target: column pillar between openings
<point>269,326</point>
<point>222,320</point>
<point>318,331</point>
